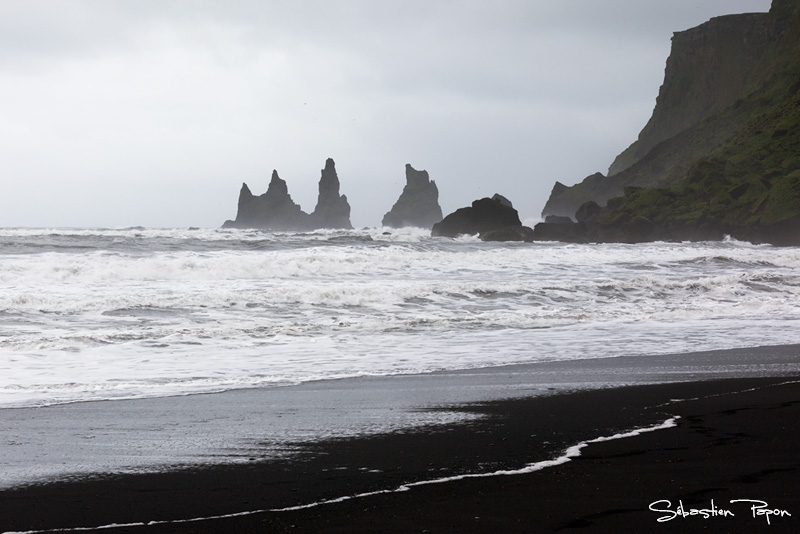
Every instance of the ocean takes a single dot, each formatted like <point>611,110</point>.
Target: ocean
<point>99,314</point>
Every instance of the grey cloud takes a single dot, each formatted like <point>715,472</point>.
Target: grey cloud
<point>189,99</point>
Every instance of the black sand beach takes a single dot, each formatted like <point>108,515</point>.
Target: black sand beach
<point>734,439</point>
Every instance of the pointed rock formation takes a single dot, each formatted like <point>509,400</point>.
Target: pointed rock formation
<point>418,204</point>
<point>333,210</point>
<point>274,210</point>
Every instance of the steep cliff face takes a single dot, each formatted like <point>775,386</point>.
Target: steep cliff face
<point>720,76</point>
<point>418,204</point>
<point>709,68</point>
<point>737,172</point>
<point>333,210</point>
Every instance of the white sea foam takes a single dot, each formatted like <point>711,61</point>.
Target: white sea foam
<point>572,452</point>
<point>118,313</point>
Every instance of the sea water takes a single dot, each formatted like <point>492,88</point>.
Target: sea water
<point>90,314</point>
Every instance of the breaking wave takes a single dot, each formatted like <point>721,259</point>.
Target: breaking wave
<point>112,313</point>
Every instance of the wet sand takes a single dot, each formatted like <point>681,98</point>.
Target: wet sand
<point>733,439</point>
<point>123,436</point>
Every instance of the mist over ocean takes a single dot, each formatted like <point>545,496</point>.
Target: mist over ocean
<point>88,314</point>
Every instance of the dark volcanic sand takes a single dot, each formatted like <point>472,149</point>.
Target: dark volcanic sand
<point>737,439</point>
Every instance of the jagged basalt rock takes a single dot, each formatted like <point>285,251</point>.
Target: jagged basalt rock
<point>711,69</point>
<point>491,218</point>
<point>332,210</point>
<point>567,233</point>
<point>418,204</point>
<point>275,210</point>
<point>503,201</point>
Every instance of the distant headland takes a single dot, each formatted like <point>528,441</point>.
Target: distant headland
<point>721,152</point>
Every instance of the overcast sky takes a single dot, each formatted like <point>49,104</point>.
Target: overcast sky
<point>153,113</point>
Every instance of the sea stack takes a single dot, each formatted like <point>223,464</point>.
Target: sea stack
<point>418,204</point>
<point>274,210</point>
<point>333,210</point>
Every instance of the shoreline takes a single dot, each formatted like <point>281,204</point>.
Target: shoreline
<point>732,434</point>
<point>78,440</point>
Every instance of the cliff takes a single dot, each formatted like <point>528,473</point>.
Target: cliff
<point>712,69</point>
<point>721,154</point>
<point>418,204</point>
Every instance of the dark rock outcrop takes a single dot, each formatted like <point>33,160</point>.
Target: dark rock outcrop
<point>588,211</point>
<point>502,200</point>
<point>492,218</point>
<point>509,233</point>
<point>564,201</point>
<point>558,219</point>
<point>332,210</point>
<point>274,210</point>
<point>689,214</point>
<point>567,233</point>
<point>418,204</point>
